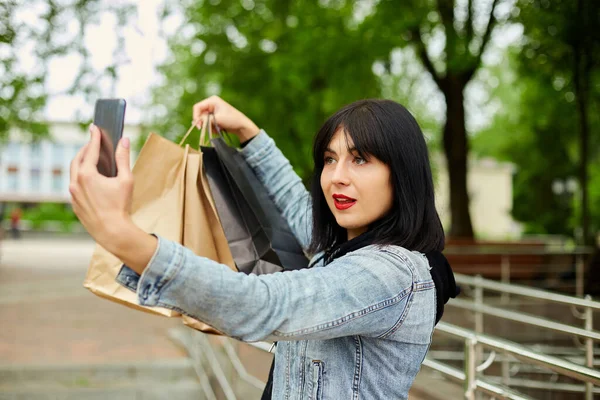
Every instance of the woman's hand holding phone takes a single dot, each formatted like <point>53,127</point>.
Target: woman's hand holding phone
<point>100,202</point>
<point>226,116</point>
<point>103,204</point>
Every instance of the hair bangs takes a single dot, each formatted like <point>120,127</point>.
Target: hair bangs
<point>365,131</point>
<point>362,131</point>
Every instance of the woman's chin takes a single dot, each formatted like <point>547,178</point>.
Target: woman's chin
<point>347,224</point>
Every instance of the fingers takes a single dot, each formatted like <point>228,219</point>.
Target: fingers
<point>205,107</point>
<point>199,121</point>
<point>74,187</point>
<point>76,163</point>
<point>122,158</point>
<point>214,126</point>
<point>93,153</point>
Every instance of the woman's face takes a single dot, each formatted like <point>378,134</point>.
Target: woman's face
<point>358,191</point>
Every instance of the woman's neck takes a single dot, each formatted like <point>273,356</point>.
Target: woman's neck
<point>352,233</point>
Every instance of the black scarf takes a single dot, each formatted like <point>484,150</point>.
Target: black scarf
<point>441,274</point>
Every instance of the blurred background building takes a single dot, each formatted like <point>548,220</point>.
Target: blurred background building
<point>39,172</point>
<point>36,173</point>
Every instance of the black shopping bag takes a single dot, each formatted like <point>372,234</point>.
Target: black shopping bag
<point>260,239</point>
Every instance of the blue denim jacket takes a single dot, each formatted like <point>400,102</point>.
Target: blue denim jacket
<point>358,328</point>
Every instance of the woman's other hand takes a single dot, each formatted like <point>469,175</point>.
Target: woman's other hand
<point>226,116</point>
<point>103,205</point>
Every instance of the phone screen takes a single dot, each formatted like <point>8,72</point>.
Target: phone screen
<point>109,117</point>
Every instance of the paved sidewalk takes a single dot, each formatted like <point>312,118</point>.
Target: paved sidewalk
<point>47,317</point>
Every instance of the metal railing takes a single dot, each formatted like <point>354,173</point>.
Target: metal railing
<point>221,363</point>
<point>475,341</point>
<point>480,309</point>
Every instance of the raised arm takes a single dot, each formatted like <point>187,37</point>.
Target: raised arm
<point>268,163</point>
<point>282,183</point>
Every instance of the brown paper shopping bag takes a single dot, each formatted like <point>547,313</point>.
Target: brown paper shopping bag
<point>199,206</point>
<point>168,200</point>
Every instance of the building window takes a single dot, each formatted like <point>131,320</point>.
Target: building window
<point>13,179</point>
<point>12,152</point>
<point>35,179</point>
<point>58,154</point>
<point>36,154</point>
<point>57,183</point>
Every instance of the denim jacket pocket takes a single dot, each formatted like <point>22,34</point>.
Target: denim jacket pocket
<point>315,388</point>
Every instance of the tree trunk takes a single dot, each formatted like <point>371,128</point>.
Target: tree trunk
<point>456,149</point>
<point>582,83</point>
<point>583,164</point>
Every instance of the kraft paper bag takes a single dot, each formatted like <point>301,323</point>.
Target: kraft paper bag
<point>169,200</point>
<point>199,206</point>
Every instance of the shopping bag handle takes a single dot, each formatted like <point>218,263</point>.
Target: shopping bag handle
<point>206,126</point>
<point>202,131</point>
<point>220,132</point>
<point>187,133</point>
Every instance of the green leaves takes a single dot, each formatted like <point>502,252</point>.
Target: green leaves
<point>287,65</point>
<point>539,129</point>
<point>23,90</point>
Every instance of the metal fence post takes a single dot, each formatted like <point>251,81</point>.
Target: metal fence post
<point>505,299</point>
<point>505,370</point>
<point>589,348</point>
<point>478,303</point>
<point>470,365</point>
<point>478,314</point>
<point>505,276</point>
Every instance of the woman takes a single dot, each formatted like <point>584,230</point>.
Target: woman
<point>358,323</point>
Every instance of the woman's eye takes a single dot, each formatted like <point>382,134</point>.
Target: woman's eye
<point>359,160</point>
<point>328,160</point>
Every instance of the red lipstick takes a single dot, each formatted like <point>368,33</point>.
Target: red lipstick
<point>343,202</point>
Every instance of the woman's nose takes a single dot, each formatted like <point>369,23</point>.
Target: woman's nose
<point>340,175</point>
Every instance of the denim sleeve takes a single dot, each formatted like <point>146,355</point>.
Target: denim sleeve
<point>362,293</point>
<point>283,185</point>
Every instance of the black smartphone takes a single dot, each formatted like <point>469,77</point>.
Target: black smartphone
<point>109,117</point>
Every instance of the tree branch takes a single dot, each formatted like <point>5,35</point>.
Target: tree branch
<point>492,21</point>
<point>469,22</point>
<point>422,52</point>
<point>446,10</point>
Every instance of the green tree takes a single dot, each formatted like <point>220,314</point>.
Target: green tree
<point>563,45</point>
<point>41,26</point>
<point>289,64</point>
<point>465,30</point>
<point>533,130</point>
<point>286,64</point>
<point>544,126</point>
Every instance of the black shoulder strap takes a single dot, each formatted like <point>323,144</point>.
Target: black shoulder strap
<point>268,392</point>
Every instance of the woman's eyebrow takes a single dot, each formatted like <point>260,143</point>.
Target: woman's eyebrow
<point>350,150</point>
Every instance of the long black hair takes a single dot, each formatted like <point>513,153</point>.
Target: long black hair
<point>387,131</point>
